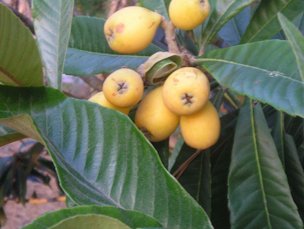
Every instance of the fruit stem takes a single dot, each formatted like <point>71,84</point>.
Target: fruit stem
<point>180,171</point>
<point>169,30</point>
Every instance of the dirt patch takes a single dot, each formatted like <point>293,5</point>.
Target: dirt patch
<point>41,198</point>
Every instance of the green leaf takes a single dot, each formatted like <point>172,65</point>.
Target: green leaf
<point>89,52</point>
<point>52,21</point>
<point>7,136</point>
<point>296,41</point>
<point>84,63</point>
<point>278,135</point>
<point>20,63</point>
<point>175,152</point>
<point>197,180</point>
<point>130,218</point>
<point>225,13</point>
<point>90,221</point>
<point>258,191</point>
<point>264,23</point>
<point>257,71</point>
<point>163,151</point>
<point>220,162</point>
<point>101,157</point>
<point>234,29</point>
<point>294,126</point>
<point>299,22</point>
<point>295,173</point>
<point>159,6</point>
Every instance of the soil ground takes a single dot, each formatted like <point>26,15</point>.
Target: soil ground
<point>19,215</point>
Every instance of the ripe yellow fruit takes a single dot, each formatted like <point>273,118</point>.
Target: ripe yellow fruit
<point>123,88</point>
<point>100,99</point>
<point>186,91</point>
<point>131,29</point>
<point>201,129</point>
<point>188,14</point>
<point>155,120</point>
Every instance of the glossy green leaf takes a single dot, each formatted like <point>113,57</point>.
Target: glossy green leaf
<point>257,71</point>
<point>264,23</point>
<point>225,13</point>
<point>160,6</point>
<point>295,173</point>
<point>52,21</point>
<point>130,218</point>
<point>296,41</point>
<point>7,136</point>
<point>258,191</point>
<point>20,63</point>
<point>89,52</point>
<point>101,157</point>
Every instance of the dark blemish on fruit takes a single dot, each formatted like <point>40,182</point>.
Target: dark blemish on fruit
<point>187,99</point>
<point>122,87</point>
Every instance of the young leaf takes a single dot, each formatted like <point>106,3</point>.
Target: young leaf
<point>257,71</point>
<point>89,52</point>
<point>296,41</point>
<point>20,63</point>
<point>258,191</point>
<point>130,218</point>
<point>100,156</point>
<point>264,23</point>
<point>52,21</point>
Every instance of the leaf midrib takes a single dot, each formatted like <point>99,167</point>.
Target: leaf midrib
<point>256,153</point>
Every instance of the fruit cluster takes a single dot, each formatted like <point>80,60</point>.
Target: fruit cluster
<point>182,99</point>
